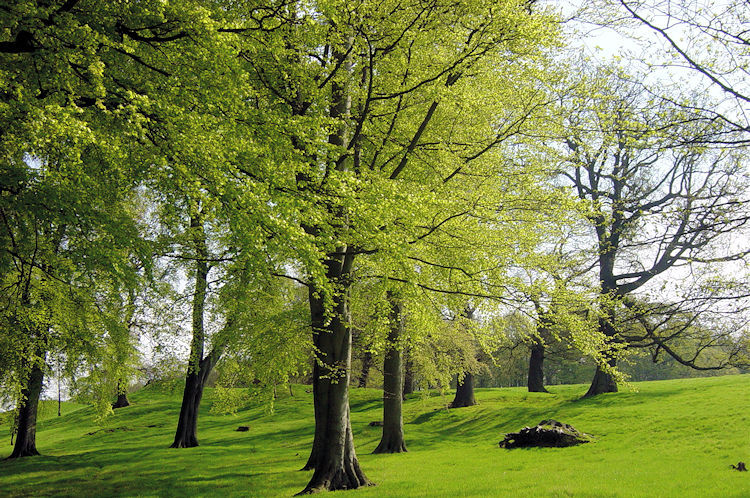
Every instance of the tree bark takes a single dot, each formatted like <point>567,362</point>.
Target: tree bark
<point>392,440</point>
<point>198,366</point>
<point>122,397</point>
<point>320,396</point>
<point>536,368</point>
<point>332,456</point>
<point>465,387</point>
<point>603,382</point>
<point>27,415</point>
<point>186,435</point>
<point>464,392</point>
<point>122,401</point>
<point>366,364</point>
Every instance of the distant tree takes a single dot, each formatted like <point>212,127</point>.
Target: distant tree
<point>465,382</point>
<point>656,197</point>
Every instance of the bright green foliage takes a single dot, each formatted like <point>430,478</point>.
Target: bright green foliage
<point>659,441</point>
<point>64,228</point>
<point>269,344</point>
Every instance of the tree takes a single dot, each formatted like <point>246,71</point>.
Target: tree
<point>465,381</point>
<point>64,228</point>
<point>84,84</point>
<point>199,366</point>
<point>392,440</point>
<point>380,83</point>
<point>656,198</point>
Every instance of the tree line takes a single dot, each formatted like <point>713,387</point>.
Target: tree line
<point>297,182</point>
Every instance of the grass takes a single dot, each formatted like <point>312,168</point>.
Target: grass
<point>671,438</point>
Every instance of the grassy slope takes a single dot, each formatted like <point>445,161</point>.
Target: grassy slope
<point>672,438</point>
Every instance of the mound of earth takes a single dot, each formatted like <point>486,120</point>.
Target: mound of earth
<point>547,433</point>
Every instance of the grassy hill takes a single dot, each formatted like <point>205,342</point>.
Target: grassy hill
<point>671,438</point>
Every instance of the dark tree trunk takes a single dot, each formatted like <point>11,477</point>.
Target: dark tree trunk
<point>186,435</point>
<point>320,397</point>
<point>122,397</point>
<point>464,392</point>
<point>392,440</point>
<point>27,414</point>
<point>366,364</point>
<point>187,426</point>
<point>408,374</point>
<point>122,401</point>
<point>333,456</point>
<point>198,366</point>
<point>536,368</point>
<point>465,387</point>
<point>603,382</point>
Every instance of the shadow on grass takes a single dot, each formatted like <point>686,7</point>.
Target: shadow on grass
<point>161,472</point>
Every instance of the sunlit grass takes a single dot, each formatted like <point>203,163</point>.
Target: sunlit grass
<point>671,438</point>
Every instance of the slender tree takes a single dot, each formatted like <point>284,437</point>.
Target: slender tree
<point>199,367</point>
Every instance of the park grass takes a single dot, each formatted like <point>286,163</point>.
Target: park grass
<point>670,438</point>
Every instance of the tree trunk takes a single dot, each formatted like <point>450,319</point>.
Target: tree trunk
<point>122,397</point>
<point>464,392</point>
<point>320,397</point>
<point>333,456</point>
<point>603,382</point>
<point>198,367</point>
<point>536,368</point>
<point>392,440</point>
<point>187,426</point>
<point>27,414</point>
<point>122,401</point>
<point>366,363</point>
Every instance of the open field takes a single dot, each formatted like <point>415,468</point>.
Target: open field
<point>671,438</point>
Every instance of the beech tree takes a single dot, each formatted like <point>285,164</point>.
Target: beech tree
<point>396,131</point>
<point>392,440</point>
<point>655,201</point>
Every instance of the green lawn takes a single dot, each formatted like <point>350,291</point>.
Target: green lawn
<point>671,438</point>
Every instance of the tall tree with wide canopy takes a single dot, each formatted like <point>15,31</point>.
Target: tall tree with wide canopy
<point>398,132</point>
<point>654,200</point>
